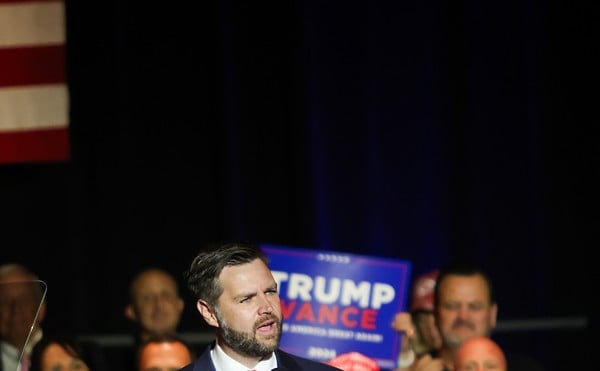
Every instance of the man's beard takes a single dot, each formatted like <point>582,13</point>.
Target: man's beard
<point>246,343</point>
<point>455,341</point>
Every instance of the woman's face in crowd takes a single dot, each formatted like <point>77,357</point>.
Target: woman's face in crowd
<point>56,358</point>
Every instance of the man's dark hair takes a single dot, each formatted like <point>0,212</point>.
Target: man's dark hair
<point>202,277</point>
<point>87,351</point>
<point>466,270</point>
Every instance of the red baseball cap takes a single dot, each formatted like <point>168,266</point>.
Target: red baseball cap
<point>354,361</point>
<point>422,292</point>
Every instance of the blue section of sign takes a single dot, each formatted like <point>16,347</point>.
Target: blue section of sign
<point>335,303</point>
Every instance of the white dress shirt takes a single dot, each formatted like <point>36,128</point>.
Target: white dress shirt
<point>223,362</point>
<point>10,353</point>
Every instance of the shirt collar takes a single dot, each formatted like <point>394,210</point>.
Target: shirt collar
<point>224,362</point>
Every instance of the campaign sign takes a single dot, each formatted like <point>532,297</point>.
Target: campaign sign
<point>334,303</point>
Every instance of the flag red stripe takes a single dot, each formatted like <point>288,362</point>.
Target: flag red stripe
<point>33,65</point>
<point>28,1</point>
<point>36,145</point>
<point>33,57</point>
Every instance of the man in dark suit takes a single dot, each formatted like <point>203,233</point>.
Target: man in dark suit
<point>236,293</point>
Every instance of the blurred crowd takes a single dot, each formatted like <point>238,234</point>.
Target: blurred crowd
<point>448,325</point>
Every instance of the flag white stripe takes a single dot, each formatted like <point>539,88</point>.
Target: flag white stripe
<point>33,107</point>
<point>25,24</point>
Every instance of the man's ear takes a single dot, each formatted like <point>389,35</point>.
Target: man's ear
<point>207,313</point>
<point>42,312</point>
<point>180,305</point>
<point>494,314</point>
<point>130,313</point>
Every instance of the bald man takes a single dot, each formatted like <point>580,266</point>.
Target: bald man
<point>164,353</point>
<point>478,354</point>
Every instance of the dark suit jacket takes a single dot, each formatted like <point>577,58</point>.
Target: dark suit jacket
<point>286,361</point>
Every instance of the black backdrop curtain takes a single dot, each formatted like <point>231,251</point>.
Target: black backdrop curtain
<point>425,131</point>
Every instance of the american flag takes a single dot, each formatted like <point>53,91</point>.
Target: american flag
<point>34,100</point>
